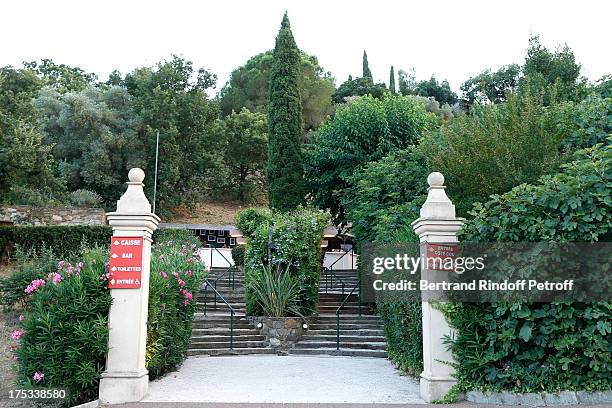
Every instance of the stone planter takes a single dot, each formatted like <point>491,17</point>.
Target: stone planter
<point>281,333</point>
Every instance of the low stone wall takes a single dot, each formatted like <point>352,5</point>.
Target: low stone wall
<point>28,215</point>
<point>541,399</point>
<point>281,332</point>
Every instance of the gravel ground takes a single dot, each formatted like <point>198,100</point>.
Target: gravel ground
<point>8,323</point>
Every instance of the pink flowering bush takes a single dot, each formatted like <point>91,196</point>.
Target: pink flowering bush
<point>176,275</point>
<point>63,338</point>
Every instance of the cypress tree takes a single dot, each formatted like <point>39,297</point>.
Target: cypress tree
<point>392,80</point>
<point>366,67</point>
<point>285,172</point>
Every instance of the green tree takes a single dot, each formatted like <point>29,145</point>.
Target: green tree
<point>392,80</point>
<point>440,91</point>
<point>284,171</point>
<point>95,134</point>
<point>406,82</point>
<point>358,87</point>
<point>171,98</point>
<point>245,136</point>
<point>491,86</point>
<point>249,84</point>
<point>63,78</point>
<point>366,130</point>
<point>366,73</point>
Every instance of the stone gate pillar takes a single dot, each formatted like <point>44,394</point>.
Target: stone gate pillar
<point>437,224</point>
<point>126,379</point>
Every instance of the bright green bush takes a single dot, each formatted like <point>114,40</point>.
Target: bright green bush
<point>65,332</point>
<point>65,241</point>
<point>250,219</point>
<point>238,255</point>
<point>295,245</point>
<point>541,346</point>
<point>366,130</point>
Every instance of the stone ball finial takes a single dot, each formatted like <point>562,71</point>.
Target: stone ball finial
<point>136,175</point>
<point>435,179</point>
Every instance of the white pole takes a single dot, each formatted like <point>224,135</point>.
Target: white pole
<point>155,181</point>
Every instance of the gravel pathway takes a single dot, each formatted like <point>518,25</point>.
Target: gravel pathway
<point>286,379</point>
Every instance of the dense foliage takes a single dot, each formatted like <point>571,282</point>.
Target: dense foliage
<point>534,347</point>
<point>249,84</point>
<point>365,130</point>
<point>290,241</point>
<point>496,147</point>
<point>284,172</point>
<point>65,241</point>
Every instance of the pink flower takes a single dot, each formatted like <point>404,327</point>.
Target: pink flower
<point>38,376</point>
<point>33,287</point>
<point>164,275</point>
<point>188,295</point>
<point>56,278</point>
<point>16,334</point>
<point>181,282</point>
<point>79,268</point>
<point>60,264</point>
<point>21,318</point>
<point>186,302</point>
<point>175,274</point>
<point>189,273</point>
<point>69,270</point>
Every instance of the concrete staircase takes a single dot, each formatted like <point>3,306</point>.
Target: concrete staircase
<point>211,330</point>
<point>360,336</point>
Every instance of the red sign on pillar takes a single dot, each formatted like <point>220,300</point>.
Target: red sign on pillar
<point>125,267</point>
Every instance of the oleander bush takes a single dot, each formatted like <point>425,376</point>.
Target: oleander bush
<point>238,255</point>
<point>295,244</point>
<point>176,275</point>
<point>529,347</point>
<point>62,341</point>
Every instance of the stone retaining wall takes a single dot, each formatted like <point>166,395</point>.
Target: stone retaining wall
<point>28,215</point>
<point>541,399</point>
<point>281,332</point>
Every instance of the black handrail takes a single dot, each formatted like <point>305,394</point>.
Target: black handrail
<point>333,274</point>
<point>357,285</point>
<point>232,313</point>
<point>342,256</point>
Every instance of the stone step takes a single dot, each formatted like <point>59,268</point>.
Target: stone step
<point>357,332</point>
<point>228,352</point>
<point>345,326</point>
<point>211,325</point>
<point>341,352</point>
<point>343,316</point>
<point>223,331</point>
<point>363,345</point>
<point>238,343</point>
<point>343,338</point>
<point>196,338</point>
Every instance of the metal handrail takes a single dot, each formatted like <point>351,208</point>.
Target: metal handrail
<point>342,256</point>
<point>333,273</point>
<point>232,312</point>
<point>357,285</point>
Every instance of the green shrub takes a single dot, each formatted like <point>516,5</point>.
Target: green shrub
<point>404,333</point>
<point>238,255</point>
<point>176,276</point>
<point>542,346</point>
<point>250,219</point>
<point>65,331</point>
<point>276,292</point>
<point>296,245</point>
<point>64,241</point>
<point>85,198</point>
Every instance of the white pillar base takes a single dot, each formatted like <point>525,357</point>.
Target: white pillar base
<point>118,388</point>
<point>433,389</point>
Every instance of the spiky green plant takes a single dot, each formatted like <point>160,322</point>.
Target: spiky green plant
<point>277,292</point>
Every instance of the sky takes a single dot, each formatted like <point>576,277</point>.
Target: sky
<point>452,40</point>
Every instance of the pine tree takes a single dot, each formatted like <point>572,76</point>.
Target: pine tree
<point>286,189</point>
<point>392,80</point>
<point>366,67</point>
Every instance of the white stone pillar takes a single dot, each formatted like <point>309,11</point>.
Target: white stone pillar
<point>437,224</point>
<point>126,379</point>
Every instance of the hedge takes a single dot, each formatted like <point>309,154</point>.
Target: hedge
<point>66,241</point>
<point>551,347</point>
